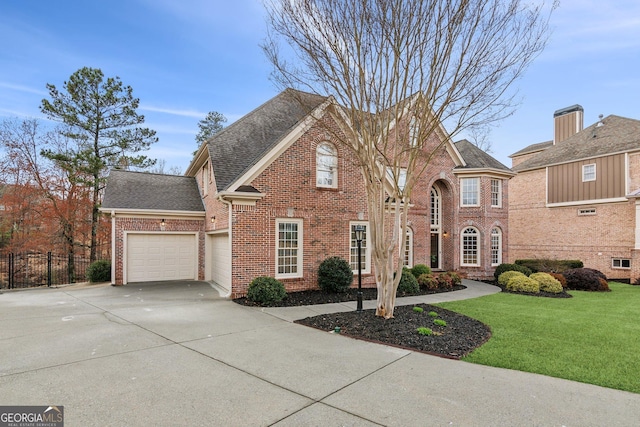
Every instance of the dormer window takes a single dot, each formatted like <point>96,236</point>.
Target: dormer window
<point>326,166</point>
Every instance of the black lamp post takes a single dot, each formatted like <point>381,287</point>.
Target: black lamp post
<point>359,232</point>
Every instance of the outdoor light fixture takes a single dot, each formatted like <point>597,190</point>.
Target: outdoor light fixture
<point>445,234</point>
<point>359,232</point>
<point>213,219</point>
<point>162,223</point>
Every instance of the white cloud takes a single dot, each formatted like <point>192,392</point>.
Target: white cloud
<point>174,112</point>
<point>21,88</point>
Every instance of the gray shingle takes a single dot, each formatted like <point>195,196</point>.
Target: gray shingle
<point>613,134</point>
<point>238,147</point>
<point>475,158</point>
<point>138,190</point>
<point>533,148</point>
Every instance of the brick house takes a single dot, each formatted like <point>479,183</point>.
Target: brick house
<point>273,194</point>
<point>577,196</point>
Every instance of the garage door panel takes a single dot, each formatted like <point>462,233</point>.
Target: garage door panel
<point>157,257</point>
<point>220,261</point>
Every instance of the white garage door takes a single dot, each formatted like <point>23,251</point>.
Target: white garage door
<point>221,260</point>
<point>155,257</point>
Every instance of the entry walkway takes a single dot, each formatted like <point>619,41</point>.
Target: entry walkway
<point>291,314</point>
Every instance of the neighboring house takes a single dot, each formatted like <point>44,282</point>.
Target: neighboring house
<point>576,197</point>
<point>273,195</point>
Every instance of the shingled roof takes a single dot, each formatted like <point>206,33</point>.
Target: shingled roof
<point>138,190</point>
<point>613,134</point>
<point>475,158</point>
<point>238,147</point>
<point>533,148</point>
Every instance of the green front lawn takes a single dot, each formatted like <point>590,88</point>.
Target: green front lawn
<point>593,337</point>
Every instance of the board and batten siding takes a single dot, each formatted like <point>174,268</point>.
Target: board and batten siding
<point>565,181</point>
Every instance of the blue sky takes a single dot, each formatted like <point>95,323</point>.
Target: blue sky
<point>185,58</point>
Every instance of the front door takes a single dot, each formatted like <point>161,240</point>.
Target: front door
<point>435,251</point>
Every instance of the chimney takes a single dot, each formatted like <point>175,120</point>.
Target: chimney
<point>567,122</point>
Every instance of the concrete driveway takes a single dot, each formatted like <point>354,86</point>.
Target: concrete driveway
<point>177,354</point>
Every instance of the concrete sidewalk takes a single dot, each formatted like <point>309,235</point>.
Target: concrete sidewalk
<point>177,354</point>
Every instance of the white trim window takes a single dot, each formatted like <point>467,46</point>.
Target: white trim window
<point>408,249</point>
<point>326,166</point>
<point>413,132</point>
<point>402,177</point>
<point>620,263</point>
<point>288,248</point>
<point>353,248</point>
<point>496,246</point>
<point>496,193</point>
<point>205,179</point>
<point>470,249</point>
<point>470,191</point>
<point>589,172</point>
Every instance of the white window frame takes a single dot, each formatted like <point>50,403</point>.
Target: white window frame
<point>353,248</point>
<point>587,174</point>
<point>205,179</point>
<point>497,192</point>
<point>413,132</point>
<point>402,176</point>
<point>330,167</point>
<point>299,249</point>
<point>619,262</point>
<point>464,249</point>
<point>496,246</point>
<point>407,249</point>
<point>464,192</point>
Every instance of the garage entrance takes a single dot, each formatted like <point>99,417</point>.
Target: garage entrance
<point>160,256</point>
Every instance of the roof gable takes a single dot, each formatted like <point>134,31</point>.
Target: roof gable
<point>613,134</point>
<point>148,191</point>
<point>238,147</point>
<point>475,158</point>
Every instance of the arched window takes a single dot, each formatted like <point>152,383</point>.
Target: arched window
<point>469,245</point>
<point>496,246</point>
<point>326,166</point>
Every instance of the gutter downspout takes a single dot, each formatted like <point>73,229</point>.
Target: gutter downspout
<point>230,244</point>
<point>113,247</point>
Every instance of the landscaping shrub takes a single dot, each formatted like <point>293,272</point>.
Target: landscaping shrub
<point>586,279</point>
<point>334,275</point>
<point>547,282</point>
<point>504,278</point>
<point>266,290</point>
<point>428,281</point>
<point>418,309</point>
<point>422,330</point>
<point>560,278</point>
<point>408,282</point>
<point>511,267</point>
<point>420,269</point>
<point>456,279</point>
<point>550,265</point>
<point>522,283</point>
<point>99,271</point>
<point>440,322</point>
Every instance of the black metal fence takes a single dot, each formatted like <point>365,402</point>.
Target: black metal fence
<point>25,270</point>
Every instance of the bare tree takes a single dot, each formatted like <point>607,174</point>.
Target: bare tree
<point>480,137</point>
<point>389,62</point>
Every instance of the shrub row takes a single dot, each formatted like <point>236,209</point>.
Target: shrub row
<point>586,279</point>
<point>550,265</point>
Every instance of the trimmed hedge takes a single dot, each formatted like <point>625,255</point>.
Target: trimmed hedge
<point>420,269</point>
<point>428,281</point>
<point>408,283</point>
<point>334,275</point>
<point>586,279</point>
<point>511,267</point>
<point>504,278</point>
<point>547,282</point>
<point>522,283</point>
<point>550,265</point>
<point>266,290</point>
<point>99,271</point>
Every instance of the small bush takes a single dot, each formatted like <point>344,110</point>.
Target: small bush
<point>522,283</point>
<point>418,309</point>
<point>408,283</point>
<point>334,275</point>
<point>504,278</point>
<point>433,314</point>
<point>420,269</point>
<point>99,271</point>
<point>586,279</point>
<point>424,331</point>
<point>440,322</point>
<point>456,279</point>
<point>560,278</point>
<point>547,282</point>
<point>266,290</point>
<point>428,281</point>
<point>445,281</point>
<point>511,267</point>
